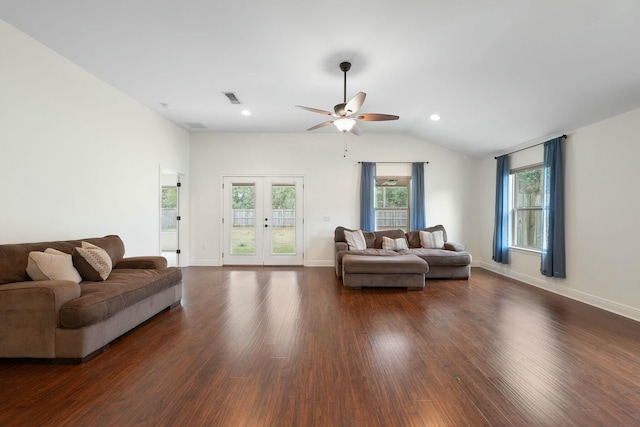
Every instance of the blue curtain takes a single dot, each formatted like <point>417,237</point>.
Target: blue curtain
<point>553,250</point>
<point>368,197</point>
<point>418,214</point>
<point>501,227</point>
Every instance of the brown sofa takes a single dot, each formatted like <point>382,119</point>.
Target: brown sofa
<point>68,321</point>
<point>450,262</point>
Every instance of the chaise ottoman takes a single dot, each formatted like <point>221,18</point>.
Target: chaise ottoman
<point>403,271</point>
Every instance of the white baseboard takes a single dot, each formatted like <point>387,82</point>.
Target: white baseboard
<point>206,263</point>
<point>319,263</point>
<point>555,287</point>
<point>218,263</point>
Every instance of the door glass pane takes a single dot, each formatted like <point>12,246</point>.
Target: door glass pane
<point>169,209</point>
<point>283,219</point>
<point>169,225</point>
<point>243,217</point>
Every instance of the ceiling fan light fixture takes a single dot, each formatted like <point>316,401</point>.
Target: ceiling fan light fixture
<point>344,125</point>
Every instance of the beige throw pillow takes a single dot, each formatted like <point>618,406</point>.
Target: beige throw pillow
<point>355,240</point>
<point>394,244</point>
<point>51,265</point>
<point>93,263</point>
<point>429,240</point>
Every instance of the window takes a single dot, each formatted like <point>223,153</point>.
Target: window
<point>526,212</point>
<point>392,203</point>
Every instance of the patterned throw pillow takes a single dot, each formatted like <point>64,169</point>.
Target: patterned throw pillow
<point>51,265</point>
<point>355,240</point>
<point>394,244</point>
<point>433,240</point>
<point>93,263</point>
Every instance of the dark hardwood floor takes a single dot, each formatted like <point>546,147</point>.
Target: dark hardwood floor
<point>291,347</point>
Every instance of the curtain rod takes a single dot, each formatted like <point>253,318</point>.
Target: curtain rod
<point>526,148</point>
<point>398,162</point>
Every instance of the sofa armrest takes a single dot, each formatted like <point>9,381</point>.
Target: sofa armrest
<point>29,316</point>
<point>451,246</point>
<point>143,262</point>
<point>340,247</point>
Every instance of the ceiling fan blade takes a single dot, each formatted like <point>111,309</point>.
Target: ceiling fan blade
<point>321,125</point>
<point>372,117</point>
<point>355,103</point>
<point>315,110</point>
<point>355,129</point>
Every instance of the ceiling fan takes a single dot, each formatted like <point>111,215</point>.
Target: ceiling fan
<point>346,114</point>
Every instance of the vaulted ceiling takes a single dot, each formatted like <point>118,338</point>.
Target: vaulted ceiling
<point>500,73</point>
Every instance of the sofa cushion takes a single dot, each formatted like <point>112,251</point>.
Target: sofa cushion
<point>14,257</point>
<point>51,265</point>
<point>394,244</point>
<point>93,263</point>
<point>402,264</point>
<point>373,238</point>
<point>413,237</point>
<point>458,247</point>
<point>392,234</point>
<point>440,257</point>
<point>431,239</point>
<point>112,244</point>
<point>368,251</point>
<point>123,288</point>
<point>355,240</point>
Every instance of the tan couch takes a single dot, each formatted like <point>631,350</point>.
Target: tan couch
<point>68,321</point>
<point>450,262</point>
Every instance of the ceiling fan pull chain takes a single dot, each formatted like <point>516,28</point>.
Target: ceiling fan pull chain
<point>344,139</point>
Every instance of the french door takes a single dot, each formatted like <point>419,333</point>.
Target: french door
<point>262,220</point>
<point>170,217</point>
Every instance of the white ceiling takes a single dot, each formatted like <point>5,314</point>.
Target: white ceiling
<point>501,73</point>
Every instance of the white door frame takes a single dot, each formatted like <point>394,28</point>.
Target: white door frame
<point>171,178</point>
<point>263,255</point>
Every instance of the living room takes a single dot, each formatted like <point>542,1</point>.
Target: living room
<point>81,158</point>
<point>117,188</point>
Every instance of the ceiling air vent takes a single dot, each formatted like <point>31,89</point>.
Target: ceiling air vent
<point>195,125</point>
<point>232,97</point>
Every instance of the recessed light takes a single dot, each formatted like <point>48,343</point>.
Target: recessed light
<point>435,117</point>
<point>245,112</point>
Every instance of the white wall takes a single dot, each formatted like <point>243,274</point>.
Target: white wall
<point>78,157</point>
<point>331,182</point>
<point>602,213</point>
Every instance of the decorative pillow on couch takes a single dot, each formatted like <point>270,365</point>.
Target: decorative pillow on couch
<point>394,244</point>
<point>432,240</point>
<point>93,263</point>
<point>355,240</point>
<point>51,265</point>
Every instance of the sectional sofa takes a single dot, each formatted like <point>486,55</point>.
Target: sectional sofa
<point>84,295</point>
<point>450,261</point>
